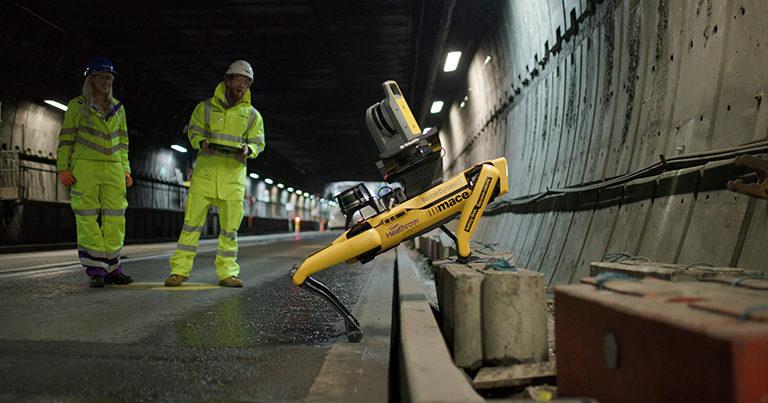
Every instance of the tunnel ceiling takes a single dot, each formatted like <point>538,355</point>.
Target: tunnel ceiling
<point>318,66</point>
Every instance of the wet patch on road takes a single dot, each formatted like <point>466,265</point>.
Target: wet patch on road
<point>272,312</point>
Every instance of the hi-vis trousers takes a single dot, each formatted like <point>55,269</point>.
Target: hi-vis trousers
<point>230,216</point>
<point>99,191</point>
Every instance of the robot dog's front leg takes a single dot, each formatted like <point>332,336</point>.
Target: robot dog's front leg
<point>482,193</point>
<point>342,250</point>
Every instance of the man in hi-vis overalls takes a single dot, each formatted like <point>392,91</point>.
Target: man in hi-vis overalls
<point>226,130</point>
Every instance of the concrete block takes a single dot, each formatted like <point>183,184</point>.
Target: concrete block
<point>423,245</point>
<point>445,251</point>
<point>459,301</point>
<point>514,317</point>
<point>434,248</point>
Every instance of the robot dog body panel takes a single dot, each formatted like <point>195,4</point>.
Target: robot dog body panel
<point>466,194</point>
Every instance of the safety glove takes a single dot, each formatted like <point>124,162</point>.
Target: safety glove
<point>67,178</point>
<point>128,180</point>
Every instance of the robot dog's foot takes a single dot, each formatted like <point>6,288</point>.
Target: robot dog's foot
<point>354,333</point>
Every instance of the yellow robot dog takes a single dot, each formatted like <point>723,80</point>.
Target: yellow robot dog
<point>413,159</point>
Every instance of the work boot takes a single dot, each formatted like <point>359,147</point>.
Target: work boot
<point>231,281</point>
<point>175,280</point>
<point>118,279</point>
<point>97,282</point>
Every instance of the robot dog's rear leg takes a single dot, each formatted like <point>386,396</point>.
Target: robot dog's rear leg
<point>354,333</point>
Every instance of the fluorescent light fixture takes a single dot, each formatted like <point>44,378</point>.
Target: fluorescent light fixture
<point>178,148</point>
<point>56,104</point>
<point>462,104</point>
<point>487,60</point>
<point>437,106</point>
<point>452,61</point>
<point>254,175</point>
<point>269,181</point>
<point>281,186</point>
<point>290,189</point>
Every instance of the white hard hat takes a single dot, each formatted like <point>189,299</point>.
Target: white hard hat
<point>240,67</point>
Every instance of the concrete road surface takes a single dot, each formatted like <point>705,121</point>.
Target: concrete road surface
<point>61,340</point>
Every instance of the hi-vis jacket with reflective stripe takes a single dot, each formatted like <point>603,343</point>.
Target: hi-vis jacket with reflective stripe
<point>241,124</point>
<point>87,135</point>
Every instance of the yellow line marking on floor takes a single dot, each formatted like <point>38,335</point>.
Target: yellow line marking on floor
<point>161,287</point>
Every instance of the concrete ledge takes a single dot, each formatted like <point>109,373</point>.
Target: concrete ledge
<point>358,372</point>
<point>667,271</point>
<point>427,372</point>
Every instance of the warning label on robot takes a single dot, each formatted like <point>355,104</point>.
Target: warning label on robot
<point>479,204</point>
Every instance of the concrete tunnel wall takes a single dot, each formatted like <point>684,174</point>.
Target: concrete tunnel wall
<point>578,91</point>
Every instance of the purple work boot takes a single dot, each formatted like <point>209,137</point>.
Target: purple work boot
<point>96,275</point>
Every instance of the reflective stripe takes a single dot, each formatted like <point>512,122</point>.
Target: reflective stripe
<point>108,136</point>
<point>101,149</point>
<point>224,253</point>
<point>89,262</point>
<point>190,228</point>
<point>251,120</point>
<point>114,254</point>
<point>196,129</point>
<point>92,253</point>
<point>186,248</point>
<point>219,136</point>
<point>87,212</point>
<point>85,116</point>
<point>116,212</point>
<point>208,112</point>
<point>259,141</point>
<point>68,130</point>
<point>226,137</point>
<point>75,193</point>
<point>230,235</point>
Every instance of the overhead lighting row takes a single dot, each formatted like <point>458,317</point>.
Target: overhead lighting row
<point>451,64</point>
<point>183,150</point>
<point>254,175</point>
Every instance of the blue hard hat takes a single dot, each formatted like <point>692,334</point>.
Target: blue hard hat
<point>99,64</point>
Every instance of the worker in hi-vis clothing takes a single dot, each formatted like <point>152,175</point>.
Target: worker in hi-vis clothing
<point>225,129</point>
<point>92,158</point>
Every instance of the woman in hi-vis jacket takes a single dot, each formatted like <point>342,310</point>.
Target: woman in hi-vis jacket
<point>92,158</point>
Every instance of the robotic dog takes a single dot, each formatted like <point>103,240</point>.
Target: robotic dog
<point>414,159</point>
